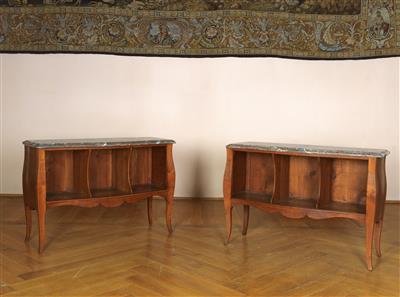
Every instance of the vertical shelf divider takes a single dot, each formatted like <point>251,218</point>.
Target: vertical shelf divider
<point>87,173</point>
<point>120,169</point>
<point>129,169</point>
<point>281,178</point>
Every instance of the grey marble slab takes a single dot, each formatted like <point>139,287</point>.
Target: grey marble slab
<point>97,142</point>
<point>310,149</point>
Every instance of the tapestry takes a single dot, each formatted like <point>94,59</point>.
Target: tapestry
<point>312,29</point>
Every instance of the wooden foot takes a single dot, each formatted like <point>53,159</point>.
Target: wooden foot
<point>378,233</point>
<point>246,215</point>
<point>168,215</point>
<point>150,210</point>
<point>28,219</point>
<point>228,221</point>
<point>369,233</point>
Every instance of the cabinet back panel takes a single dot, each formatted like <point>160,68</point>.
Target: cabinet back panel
<point>260,173</point>
<point>120,165</point>
<point>158,166</point>
<point>141,166</point>
<point>59,171</point>
<point>304,177</point>
<point>100,169</point>
<point>349,180</point>
<point>239,172</point>
<point>66,171</point>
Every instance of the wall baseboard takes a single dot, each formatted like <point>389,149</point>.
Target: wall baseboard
<point>388,201</point>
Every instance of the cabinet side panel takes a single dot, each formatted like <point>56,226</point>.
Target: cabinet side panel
<point>29,177</point>
<point>304,177</point>
<point>349,180</point>
<point>380,187</point>
<point>260,172</point>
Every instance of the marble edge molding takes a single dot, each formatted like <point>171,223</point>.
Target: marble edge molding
<point>310,149</point>
<point>96,142</point>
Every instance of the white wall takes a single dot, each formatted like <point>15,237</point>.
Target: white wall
<point>201,103</point>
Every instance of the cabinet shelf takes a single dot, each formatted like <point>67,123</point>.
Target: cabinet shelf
<point>310,182</point>
<point>147,188</point>
<point>252,196</point>
<point>109,192</point>
<point>99,173</point>
<point>344,207</point>
<point>295,202</point>
<point>56,196</point>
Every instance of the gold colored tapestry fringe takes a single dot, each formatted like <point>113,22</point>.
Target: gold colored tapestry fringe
<point>325,29</point>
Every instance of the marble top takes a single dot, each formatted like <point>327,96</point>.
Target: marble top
<point>97,142</point>
<point>310,149</point>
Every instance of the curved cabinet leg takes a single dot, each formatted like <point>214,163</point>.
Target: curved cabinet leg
<point>369,236</point>
<point>41,198</point>
<point>369,232</point>
<point>246,215</point>
<point>228,222</point>
<point>28,219</point>
<point>371,210</point>
<point>150,210</point>
<point>171,187</point>
<point>42,227</point>
<point>228,193</point>
<point>168,214</point>
<point>378,234</point>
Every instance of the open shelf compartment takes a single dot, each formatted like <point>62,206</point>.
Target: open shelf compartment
<point>148,169</point>
<point>108,172</point>
<point>313,182</point>
<point>252,176</point>
<point>343,185</point>
<point>297,181</point>
<point>66,174</point>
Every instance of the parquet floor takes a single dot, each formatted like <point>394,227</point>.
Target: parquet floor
<point>113,252</point>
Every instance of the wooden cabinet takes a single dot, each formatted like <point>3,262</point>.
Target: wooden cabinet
<point>93,172</point>
<point>313,181</point>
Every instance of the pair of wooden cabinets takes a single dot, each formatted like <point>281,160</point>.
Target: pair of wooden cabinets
<point>294,180</point>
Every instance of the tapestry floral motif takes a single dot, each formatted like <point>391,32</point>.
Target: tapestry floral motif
<point>223,28</point>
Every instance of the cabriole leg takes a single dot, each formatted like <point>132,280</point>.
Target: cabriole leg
<point>42,227</point>
<point>150,210</point>
<point>28,219</point>
<point>246,215</point>
<point>168,215</point>
<point>228,221</point>
<point>378,234</point>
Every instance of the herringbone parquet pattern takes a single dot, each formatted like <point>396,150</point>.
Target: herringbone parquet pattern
<point>113,252</point>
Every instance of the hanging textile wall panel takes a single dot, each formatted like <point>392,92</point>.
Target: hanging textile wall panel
<point>314,29</point>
